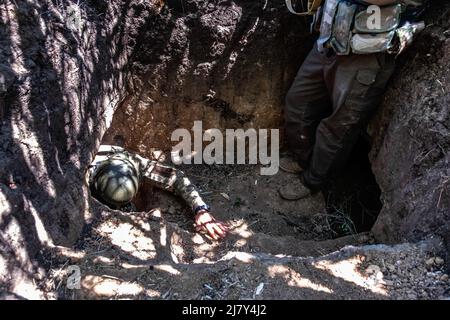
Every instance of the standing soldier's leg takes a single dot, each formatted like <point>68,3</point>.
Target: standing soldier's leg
<point>307,103</point>
<point>358,83</point>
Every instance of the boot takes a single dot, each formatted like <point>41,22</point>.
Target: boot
<point>289,164</point>
<point>295,190</point>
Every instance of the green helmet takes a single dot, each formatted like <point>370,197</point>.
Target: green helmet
<point>116,182</point>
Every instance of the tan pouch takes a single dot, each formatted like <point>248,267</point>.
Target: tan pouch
<point>367,21</point>
<point>365,43</point>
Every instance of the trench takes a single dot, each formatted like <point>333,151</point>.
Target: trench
<point>229,92</point>
<point>146,120</point>
<point>247,94</point>
<point>349,205</point>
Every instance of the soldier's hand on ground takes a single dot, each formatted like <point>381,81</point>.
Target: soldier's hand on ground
<point>205,222</point>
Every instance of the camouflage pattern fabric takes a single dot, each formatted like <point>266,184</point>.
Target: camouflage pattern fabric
<point>393,34</point>
<point>326,25</point>
<point>159,175</point>
<point>341,33</point>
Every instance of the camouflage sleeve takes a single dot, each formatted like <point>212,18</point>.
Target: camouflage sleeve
<point>169,178</point>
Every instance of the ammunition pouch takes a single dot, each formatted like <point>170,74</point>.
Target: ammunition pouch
<point>363,29</point>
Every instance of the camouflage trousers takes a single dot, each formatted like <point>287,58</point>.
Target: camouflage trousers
<point>330,101</point>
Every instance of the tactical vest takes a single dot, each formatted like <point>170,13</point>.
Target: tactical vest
<point>350,27</point>
<point>326,25</point>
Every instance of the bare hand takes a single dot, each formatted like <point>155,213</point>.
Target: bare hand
<point>205,222</point>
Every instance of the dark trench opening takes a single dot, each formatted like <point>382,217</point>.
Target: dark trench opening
<point>353,196</point>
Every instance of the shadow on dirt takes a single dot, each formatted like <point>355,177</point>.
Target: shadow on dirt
<point>57,83</point>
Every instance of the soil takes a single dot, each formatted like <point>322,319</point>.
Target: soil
<point>141,256</point>
<point>133,71</point>
<point>410,153</point>
<point>276,250</point>
<point>240,193</point>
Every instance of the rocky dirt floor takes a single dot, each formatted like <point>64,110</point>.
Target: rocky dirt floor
<point>276,250</point>
<point>143,257</point>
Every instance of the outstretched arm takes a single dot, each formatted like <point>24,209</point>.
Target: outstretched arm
<point>170,179</point>
<point>173,180</point>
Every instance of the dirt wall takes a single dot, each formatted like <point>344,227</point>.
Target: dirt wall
<point>411,151</point>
